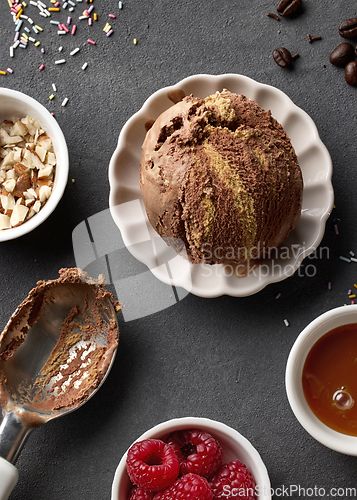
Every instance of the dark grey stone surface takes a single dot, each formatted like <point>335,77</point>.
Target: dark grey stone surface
<point>220,358</point>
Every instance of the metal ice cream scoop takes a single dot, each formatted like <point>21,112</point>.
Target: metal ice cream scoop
<point>55,352</point>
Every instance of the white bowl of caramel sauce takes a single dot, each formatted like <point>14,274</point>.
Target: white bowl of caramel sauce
<point>321,379</point>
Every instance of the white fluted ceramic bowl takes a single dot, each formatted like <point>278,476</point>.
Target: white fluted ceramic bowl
<point>201,279</point>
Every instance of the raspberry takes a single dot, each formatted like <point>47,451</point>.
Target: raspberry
<point>140,494</point>
<point>152,464</point>
<point>233,481</point>
<point>187,487</point>
<point>198,452</point>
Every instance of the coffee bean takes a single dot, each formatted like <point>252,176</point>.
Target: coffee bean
<point>351,73</point>
<point>342,54</point>
<point>282,57</point>
<point>288,7</point>
<point>348,29</point>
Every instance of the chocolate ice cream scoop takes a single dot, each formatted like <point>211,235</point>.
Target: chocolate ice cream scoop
<point>220,179</point>
<point>55,352</point>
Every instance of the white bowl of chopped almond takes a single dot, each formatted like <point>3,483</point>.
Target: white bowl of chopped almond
<point>33,164</point>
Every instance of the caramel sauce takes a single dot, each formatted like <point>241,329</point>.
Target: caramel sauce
<point>329,379</point>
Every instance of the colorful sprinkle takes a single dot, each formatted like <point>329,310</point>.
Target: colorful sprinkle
<point>329,285</point>
<point>91,41</point>
<point>41,67</point>
<point>344,258</point>
<point>113,16</point>
<point>52,96</point>
<point>2,72</point>
<point>109,32</point>
<point>336,229</point>
<point>74,27</point>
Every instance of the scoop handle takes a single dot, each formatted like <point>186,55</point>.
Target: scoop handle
<point>8,478</point>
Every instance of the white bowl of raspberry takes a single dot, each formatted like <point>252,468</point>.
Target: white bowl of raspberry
<point>191,458</point>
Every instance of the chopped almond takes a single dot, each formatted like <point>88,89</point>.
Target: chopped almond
<point>4,222</point>
<point>45,142</point>
<point>6,139</point>
<point>23,183</point>
<point>41,153</point>
<point>44,193</point>
<point>19,128</point>
<point>8,203</point>
<point>20,168</point>
<point>27,169</point>
<point>18,215</point>
<point>45,172</point>
<point>9,185</point>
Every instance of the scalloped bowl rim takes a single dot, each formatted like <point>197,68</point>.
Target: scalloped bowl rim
<point>289,104</point>
<point>60,146</point>
<point>212,426</point>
